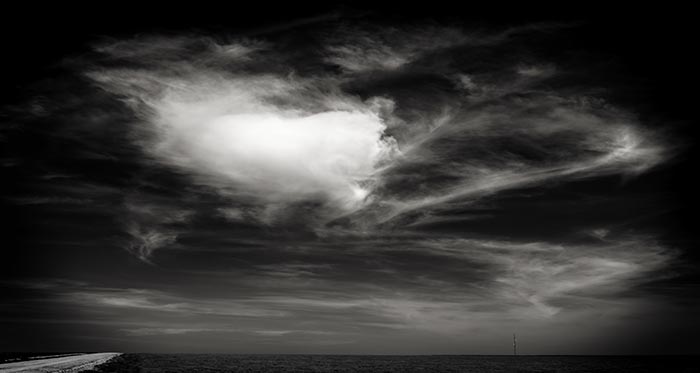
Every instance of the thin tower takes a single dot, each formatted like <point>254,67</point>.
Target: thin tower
<point>515,345</point>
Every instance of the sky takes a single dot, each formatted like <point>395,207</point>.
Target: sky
<point>349,181</point>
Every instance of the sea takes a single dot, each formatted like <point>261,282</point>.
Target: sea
<point>391,363</point>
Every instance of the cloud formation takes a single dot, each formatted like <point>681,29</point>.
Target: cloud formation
<point>423,181</point>
<point>232,118</point>
<point>268,137</point>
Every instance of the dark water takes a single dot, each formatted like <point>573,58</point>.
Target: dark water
<point>435,363</point>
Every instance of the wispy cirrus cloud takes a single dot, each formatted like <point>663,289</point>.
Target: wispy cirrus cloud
<point>358,50</point>
<point>441,285</point>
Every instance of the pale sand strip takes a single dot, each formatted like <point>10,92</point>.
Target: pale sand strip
<point>66,364</point>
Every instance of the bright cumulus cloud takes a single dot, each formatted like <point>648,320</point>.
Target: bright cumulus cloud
<point>272,139</point>
<point>280,157</point>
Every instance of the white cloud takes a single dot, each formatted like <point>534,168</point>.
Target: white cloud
<point>284,158</point>
<point>275,139</point>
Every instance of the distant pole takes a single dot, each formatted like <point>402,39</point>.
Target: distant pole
<point>515,345</point>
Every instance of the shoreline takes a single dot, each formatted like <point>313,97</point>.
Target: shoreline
<point>63,364</point>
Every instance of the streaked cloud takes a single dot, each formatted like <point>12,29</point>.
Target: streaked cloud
<point>358,50</point>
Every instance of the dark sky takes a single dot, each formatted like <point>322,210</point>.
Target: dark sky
<point>349,180</point>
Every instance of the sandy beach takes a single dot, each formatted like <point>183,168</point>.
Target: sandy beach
<point>65,364</point>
